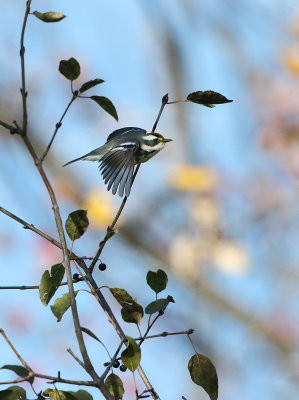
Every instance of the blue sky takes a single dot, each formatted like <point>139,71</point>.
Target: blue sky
<point>218,46</point>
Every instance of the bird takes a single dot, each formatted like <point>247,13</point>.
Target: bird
<point>124,148</point>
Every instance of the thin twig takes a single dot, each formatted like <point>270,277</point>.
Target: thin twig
<point>123,203</point>
<point>15,351</point>
<point>26,225</point>
<point>82,276</point>
<point>73,382</point>
<point>9,127</point>
<point>149,328</point>
<point>164,334</point>
<point>18,380</point>
<point>58,125</point>
<point>76,358</point>
<point>113,359</point>
<point>50,378</point>
<point>22,52</point>
<point>164,102</point>
<point>23,287</point>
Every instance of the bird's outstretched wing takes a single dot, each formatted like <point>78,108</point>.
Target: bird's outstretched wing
<point>124,131</point>
<point>117,168</point>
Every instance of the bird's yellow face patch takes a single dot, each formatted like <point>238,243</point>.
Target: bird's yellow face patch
<point>159,138</point>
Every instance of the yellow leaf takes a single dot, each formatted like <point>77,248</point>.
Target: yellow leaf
<point>193,178</point>
<point>101,210</point>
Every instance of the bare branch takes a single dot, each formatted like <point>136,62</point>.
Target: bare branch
<point>58,125</point>
<point>18,380</point>
<point>50,378</point>
<point>26,225</point>
<point>73,382</point>
<point>12,129</point>
<point>30,287</point>
<point>22,53</point>
<point>16,352</point>
<point>76,358</point>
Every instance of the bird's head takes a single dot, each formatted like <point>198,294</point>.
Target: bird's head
<point>155,141</point>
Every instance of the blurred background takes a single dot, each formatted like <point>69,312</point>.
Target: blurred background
<point>217,209</point>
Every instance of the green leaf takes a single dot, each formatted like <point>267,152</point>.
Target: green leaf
<point>49,16</point>
<point>81,395</point>
<point>69,68</point>
<point>13,393</point>
<point>76,224</point>
<point>61,305</point>
<point>132,313</point>
<point>115,386</point>
<point>55,394</point>
<point>106,104</point>
<point>7,395</point>
<point>157,280</point>
<point>156,306</point>
<point>204,374</point>
<point>131,355</point>
<point>50,283</point>
<point>122,296</point>
<point>90,333</point>
<point>207,98</point>
<point>19,370</point>
<point>90,84</point>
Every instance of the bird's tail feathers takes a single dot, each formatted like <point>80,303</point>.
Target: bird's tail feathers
<point>94,155</point>
<point>76,159</point>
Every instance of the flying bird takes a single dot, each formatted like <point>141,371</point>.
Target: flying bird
<point>123,149</point>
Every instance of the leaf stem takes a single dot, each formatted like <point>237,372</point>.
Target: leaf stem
<point>164,334</point>
<point>177,101</point>
<point>188,335</point>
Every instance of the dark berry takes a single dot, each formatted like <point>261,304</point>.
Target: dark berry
<point>116,364</point>
<point>123,368</point>
<point>102,267</point>
<point>106,364</point>
<point>76,277</point>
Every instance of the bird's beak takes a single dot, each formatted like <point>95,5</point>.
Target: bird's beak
<point>167,140</point>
